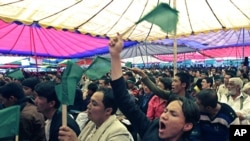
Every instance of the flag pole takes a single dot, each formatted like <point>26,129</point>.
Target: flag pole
<point>16,138</point>
<point>175,45</point>
<point>64,114</point>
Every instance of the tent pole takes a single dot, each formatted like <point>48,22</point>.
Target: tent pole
<point>175,45</point>
<point>32,41</point>
<point>243,48</point>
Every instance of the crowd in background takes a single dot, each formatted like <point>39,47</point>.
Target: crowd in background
<point>230,85</point>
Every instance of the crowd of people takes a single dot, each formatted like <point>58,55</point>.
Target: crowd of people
<point>133,104</point>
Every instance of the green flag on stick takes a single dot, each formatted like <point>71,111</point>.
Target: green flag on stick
<point>128,64</point>
<point>17,74</point>
<point>66,90</point>
<point>99,67</point>
<point>164,16</point>
<point>9,124</point>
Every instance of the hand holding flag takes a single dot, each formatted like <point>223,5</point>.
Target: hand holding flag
<point>66,90</point>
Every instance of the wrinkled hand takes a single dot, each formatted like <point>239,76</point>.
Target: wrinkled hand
<point>67,134</point>
<point>116,45</point>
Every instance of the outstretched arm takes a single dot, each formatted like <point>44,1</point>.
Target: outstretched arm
<point>152,86</point>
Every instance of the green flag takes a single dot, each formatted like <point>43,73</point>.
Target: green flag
<point>164,16</point>
<point>17,74</point>
<point>99,67</point>
<point>66,90</point>
<point>128,64</point>
<point>9,121</point>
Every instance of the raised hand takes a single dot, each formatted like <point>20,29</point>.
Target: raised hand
<point>116,45</point>
<point>139,71</point>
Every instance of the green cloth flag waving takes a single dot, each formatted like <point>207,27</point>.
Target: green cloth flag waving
<point>128,64</point>
<point>164,16</point>
<point>9,121</point>
<point>70,78</point>
<point>99,67</point>
<point>17,74</point>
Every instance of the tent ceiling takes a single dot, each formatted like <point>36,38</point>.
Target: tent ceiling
<point>33,40</point>
<point>229,43</point>
<point>107,17</point>
<point>144,49</point>
<point>220,39</point>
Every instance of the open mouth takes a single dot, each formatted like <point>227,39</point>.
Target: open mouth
<point>162,125</point>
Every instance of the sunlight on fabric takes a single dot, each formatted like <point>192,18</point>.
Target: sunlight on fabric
<point>106,18</point>
<point>10,59</point>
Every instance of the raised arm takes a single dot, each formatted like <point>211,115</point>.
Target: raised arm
<point>124,100</point>
<point>115,48</point>
<point>151,85</point>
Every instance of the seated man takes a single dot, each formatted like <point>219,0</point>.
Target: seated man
<point>103,124</point>
<point>31,121</point>
<point>216,117</point>
<point>28,88</point>
<point>48,104</point>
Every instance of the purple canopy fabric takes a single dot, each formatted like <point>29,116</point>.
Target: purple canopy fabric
<point>221,38</point>
<point>34,40</point>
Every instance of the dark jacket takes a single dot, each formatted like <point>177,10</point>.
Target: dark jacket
<point>148,130</point>
<point>31,124</point>
<point>144,106</point>
<point>56,123</point>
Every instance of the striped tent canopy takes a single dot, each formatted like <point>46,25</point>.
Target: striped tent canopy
<point>107,17</point>
<point>34,40</point>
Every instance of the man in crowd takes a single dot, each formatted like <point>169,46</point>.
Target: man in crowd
<point>103,124</point>
<point>31,121</point>
<point>215,118</point>
<point>239,101</point>
<point>48,104</point>
<point>175,123</point>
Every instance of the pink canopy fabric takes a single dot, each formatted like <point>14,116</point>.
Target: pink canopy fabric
<point>34,40</point>
<point>234,51</point>
<point>229,52</point>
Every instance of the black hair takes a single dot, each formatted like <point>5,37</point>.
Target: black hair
<point>198,83</point>
<point>167,82</point>
<point>30,82</point>
<point>209,80</point>
<point>12,89</point>
<point>108,99</point>
<point>93,87</point>
<point>190,110</point>
<point>106,80</point>
<point>208,97</point>
<point>47,90</point>
<point>184,78</point>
